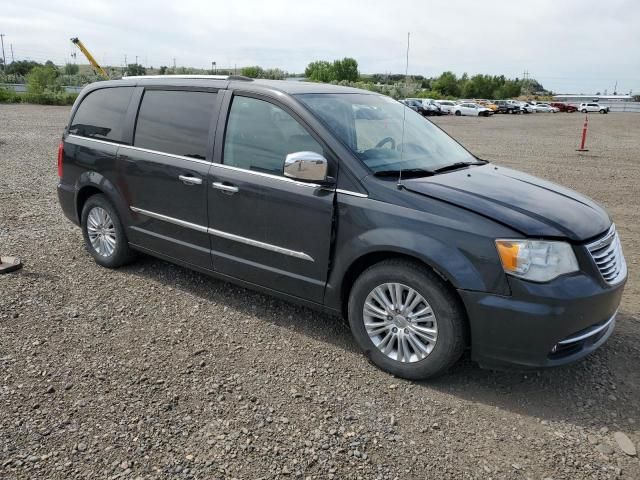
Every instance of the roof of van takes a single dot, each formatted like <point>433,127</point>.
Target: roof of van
<point>231,81</point>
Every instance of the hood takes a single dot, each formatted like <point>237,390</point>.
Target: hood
<point>532,206</point>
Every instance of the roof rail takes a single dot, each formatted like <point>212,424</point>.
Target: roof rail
<point>204,77</point>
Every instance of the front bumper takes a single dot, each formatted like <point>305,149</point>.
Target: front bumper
<point>541,325</point>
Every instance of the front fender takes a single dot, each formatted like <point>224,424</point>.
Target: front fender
<point>457,244</point>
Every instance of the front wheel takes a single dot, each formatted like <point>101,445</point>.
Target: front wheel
<point>603,111</point>
<point>584,110</point>
<point>458,113</point>
<point>406,320</point>
<point>103,233</point>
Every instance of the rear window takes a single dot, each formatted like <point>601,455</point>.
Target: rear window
<point>175,122</point>
<point>101,114</point>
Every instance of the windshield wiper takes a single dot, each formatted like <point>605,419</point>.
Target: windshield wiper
<point>406,173</point>
<point>458,165</point>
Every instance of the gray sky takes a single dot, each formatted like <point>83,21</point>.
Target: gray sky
<point>568,45</point>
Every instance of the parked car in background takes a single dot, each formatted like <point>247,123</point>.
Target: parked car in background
<point>564,107</point>
<point>414,105</point>
<point>593,107</point>
<point>505,106</point>
<point>546,108</point>
<point>429,106</point>
<point>472,109</point>
<point>527,107</point>
<point>487,104</point>
<point>446,106</point>
<point>298,197</point>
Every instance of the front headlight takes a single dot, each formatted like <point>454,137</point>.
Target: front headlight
<point>536,260</point>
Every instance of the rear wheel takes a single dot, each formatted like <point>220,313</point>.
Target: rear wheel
<point>406,320</point>
<point>584,110</point>
<point>603,110</point>
<point>458,113</point>
<point>104,234</point>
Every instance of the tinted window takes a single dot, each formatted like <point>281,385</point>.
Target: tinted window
<point>260,135</point>
<point>175,122</point>
<point>101,114</point>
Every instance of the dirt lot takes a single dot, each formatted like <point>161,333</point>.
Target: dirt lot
<point>153,371</point>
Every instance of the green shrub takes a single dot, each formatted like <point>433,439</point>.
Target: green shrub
<point>44,98</point>
<point>50,98</point>
<point>42,79</point>
<point>9,96</point>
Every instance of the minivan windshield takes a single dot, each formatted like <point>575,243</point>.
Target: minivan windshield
<point>372,127</point>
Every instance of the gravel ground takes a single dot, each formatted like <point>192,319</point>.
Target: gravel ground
<point>154,371</point>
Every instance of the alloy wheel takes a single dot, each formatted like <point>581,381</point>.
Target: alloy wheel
<point>400,322</point>
<point>101,231</point>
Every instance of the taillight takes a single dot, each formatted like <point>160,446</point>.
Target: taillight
<point>60,156</point>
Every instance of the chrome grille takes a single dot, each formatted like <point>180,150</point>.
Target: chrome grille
<point>607,254</point>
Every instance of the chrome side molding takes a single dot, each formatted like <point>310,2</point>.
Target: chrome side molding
<point>222,234</point>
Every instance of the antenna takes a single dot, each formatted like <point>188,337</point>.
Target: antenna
<point>404,113</point>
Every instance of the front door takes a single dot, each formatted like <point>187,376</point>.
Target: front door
<point>164,174</point>
<point>267,229</point>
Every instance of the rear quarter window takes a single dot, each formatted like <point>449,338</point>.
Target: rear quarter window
<point>102,113</point>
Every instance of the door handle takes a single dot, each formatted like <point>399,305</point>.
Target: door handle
<point>224,187</point>
<point>188,180</point>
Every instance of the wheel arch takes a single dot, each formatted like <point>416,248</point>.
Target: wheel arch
<point>360,264</point>
<point>91,183</point>
<point>372,258</point>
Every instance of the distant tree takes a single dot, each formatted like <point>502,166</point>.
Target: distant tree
<point>42,79</point>
<point>320,71</point>
<point>21,67</point>
<point>447,84</point>
<point>163,70</point>
<point>135,69</point>
<point>346,69</point>
<point>71,69</point>
<point>254,71</point>
<point>49,63</point>
<point>274,74</point>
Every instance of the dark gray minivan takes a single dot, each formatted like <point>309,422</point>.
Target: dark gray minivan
<point>347,201</point>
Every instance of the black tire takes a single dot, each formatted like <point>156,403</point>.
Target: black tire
<point>584,110</point>
<point>458,113</point>
<point>451,318</point>
<point>603,111</point>
<point>121,254</point>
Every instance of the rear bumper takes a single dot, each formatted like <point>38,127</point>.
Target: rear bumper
<point>541,325</point>
<point>67,200</point>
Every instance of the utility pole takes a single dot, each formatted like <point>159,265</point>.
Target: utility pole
<point>136,59</point>
<point>11,46</point>
<point>525,83</point>
<point>4,60</point>
<point>174,64</point>
<point>615,88</point>
<point>215,68</point>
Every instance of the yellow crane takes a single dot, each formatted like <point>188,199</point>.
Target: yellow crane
<point>99,70</point>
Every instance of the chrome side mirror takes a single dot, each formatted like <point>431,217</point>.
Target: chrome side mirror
<point>306,166</point>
